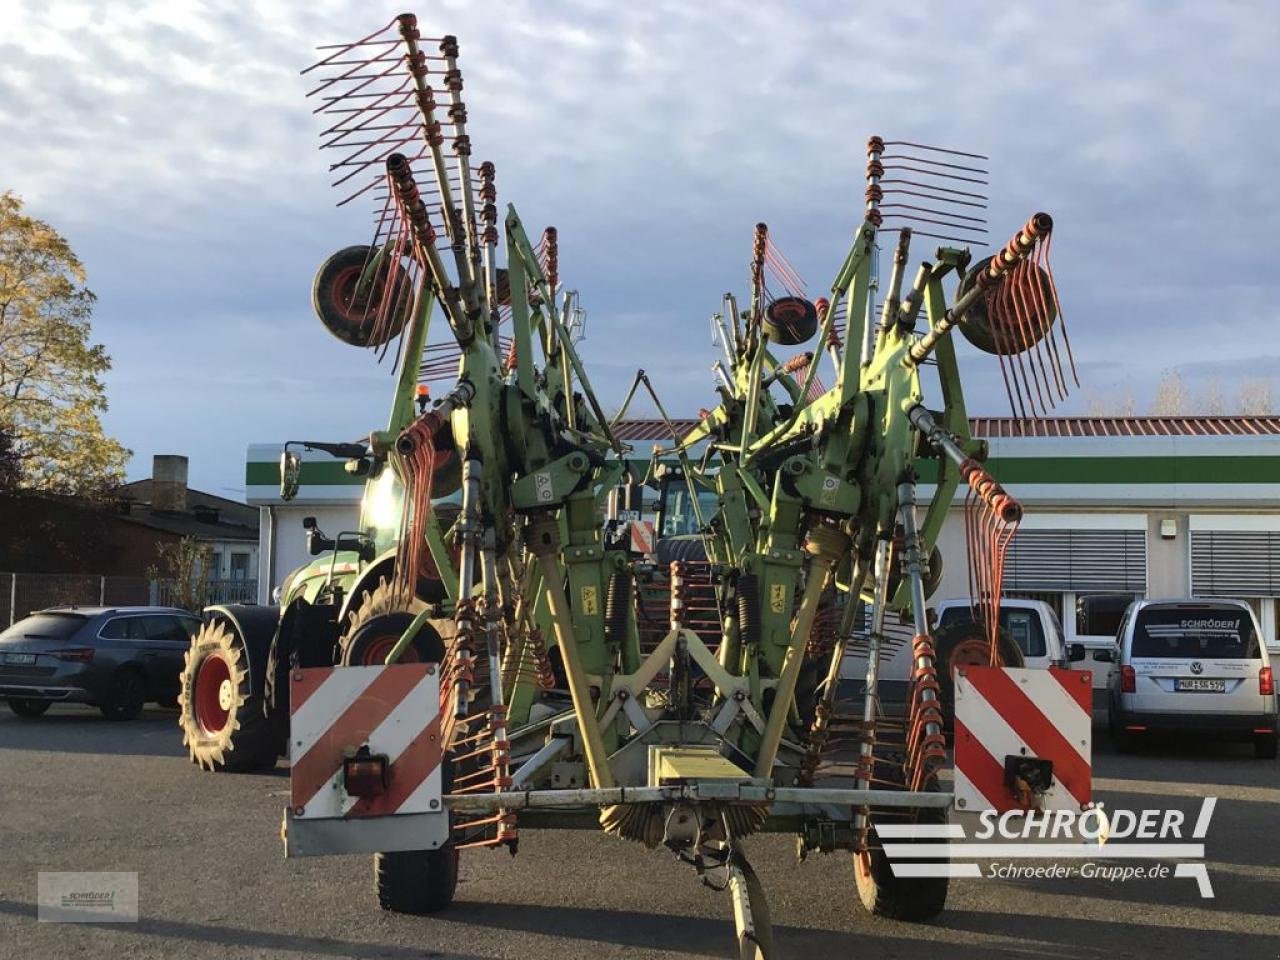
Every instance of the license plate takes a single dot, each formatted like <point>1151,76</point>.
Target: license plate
<point>19,658</point>
<point>1199,685</point>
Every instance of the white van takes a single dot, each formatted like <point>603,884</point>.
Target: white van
<point>1196,665</point>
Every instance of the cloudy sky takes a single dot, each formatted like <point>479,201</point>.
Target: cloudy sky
<point>171,143</point>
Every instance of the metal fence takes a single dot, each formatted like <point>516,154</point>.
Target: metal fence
<point>21,593</point>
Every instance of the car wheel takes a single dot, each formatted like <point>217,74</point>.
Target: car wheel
<point>29,709</point>
<point>126,698</point>
<point>1126,741</point>
<point>1264,745</point>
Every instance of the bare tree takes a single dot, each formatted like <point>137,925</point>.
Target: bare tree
<point>1212,403</point>
<point>1171,395</point>
<point>1123,405</point>
<point>185,569</point>
<point>1254,397</point>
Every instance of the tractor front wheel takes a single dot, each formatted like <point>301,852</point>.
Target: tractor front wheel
<point>965,644</point>
<point>223,723</point>
<point>376,626</point>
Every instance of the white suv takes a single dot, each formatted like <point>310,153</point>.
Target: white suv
<point>1193,665</point>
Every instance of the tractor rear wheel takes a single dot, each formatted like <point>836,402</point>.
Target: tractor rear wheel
<point>965,644</point>
<point>913,899</point>
<point>416,881</point>
<point>224,726</point>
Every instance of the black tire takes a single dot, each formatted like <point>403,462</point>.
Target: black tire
<point>1264,745</point>
<point>1124,740</point>
<point>345,312</point>
<point>762,947</point>
<point>375,625</point>
<point>126,697</point>
<point>948,641</point>
<point>912,899</point>
<point>416,881</point>
<point>29,709</point>
<point>224,726</point>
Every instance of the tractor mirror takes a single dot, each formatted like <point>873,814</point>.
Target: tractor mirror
<point>290,468</point>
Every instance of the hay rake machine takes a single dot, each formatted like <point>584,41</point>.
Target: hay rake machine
<point>468,663</point>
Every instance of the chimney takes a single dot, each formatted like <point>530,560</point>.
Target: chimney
<point>169,483</point>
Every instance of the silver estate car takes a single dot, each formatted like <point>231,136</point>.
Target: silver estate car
<point>1194,665</point>
<point>115,658</point>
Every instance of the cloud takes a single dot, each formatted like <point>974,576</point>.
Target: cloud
<point>172,144</point>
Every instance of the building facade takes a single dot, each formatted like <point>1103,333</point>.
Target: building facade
<point>1115,508</point>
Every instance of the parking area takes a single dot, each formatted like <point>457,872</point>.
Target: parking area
<point>83,794</point>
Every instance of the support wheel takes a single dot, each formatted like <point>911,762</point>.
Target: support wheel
<point>913,899</point>
<point>416,881</point>
<point>126,696</point>
<point>755,939</point>
<point>223,723</point>
<point>965,644</point>
<point>29,709</point>
<point>377,624</point>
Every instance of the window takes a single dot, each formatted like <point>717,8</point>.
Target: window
<point>239,566</point>
<point>1099,614</point>
<point>1195,630</point>
<point>163,628</point>
<point>121,628</point>
<point>1235,563</point>
<point>45,626</point>
<point>1083,560</point>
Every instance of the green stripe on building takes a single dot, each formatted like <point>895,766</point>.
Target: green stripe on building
<point>318,473</point>
<point>1137,470</point>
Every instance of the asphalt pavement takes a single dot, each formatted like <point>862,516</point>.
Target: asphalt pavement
<point>78,793</point>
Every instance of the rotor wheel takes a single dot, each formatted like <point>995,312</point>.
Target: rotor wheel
<point>912,899</point>
<point>376,625</point>
<point>1000,334</point>
<point>416,881</point>
<point>346,307</point>
<point>965,644</point>
<point>224,726</point>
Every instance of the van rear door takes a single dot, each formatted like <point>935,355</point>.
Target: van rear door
<point>1196,658</point>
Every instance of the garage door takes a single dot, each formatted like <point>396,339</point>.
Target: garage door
<point>1083,561</point>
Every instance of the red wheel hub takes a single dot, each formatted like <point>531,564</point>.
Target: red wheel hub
<point>375,654</point>
<point>343,293</point>
<point>974,652</point>
<point>215,693</point>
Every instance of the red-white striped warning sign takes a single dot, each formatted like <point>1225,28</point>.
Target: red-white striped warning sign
<point>642,536</point>
<point>1004,712</point>
<point>393,710</point>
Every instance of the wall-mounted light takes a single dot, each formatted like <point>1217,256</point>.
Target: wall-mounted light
<point>1168,528</point>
